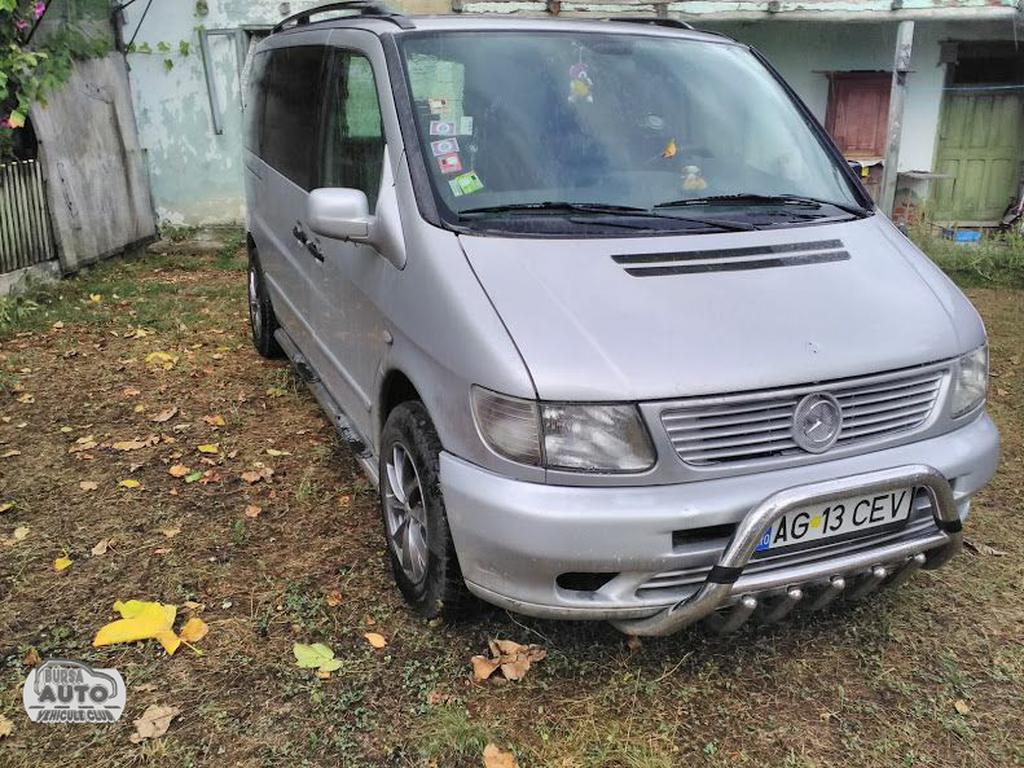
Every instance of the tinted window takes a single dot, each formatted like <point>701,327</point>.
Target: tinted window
<point>291,115</point>
<point>353,154</point>
<point>255,101</point>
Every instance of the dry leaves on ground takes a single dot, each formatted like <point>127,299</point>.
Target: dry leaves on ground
<point>983,549</point>
<point>165,415</point>
<point>101,547</point>
<point>496,757</point>
<point>6,727</point>
<point>154,722</point>
<point>316,656</point>
<point>511,658</point>
<point>376,639</point>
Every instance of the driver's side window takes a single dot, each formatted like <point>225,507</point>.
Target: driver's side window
<point>353,147</point>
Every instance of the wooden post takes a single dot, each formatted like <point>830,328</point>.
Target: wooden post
<point>897,98</point>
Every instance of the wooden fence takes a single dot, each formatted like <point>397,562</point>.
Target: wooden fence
<point>26,237</point>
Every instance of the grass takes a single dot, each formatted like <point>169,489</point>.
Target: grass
<point>928,675</point>
<point>998,260</point>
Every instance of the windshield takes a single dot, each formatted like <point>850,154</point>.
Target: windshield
<point>522,120</point>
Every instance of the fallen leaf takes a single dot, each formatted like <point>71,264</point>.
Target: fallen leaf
<point>376,640</point>
<point>170,533</point>
<point>88,485</point>
<point>95,298</point>
<point>31,658</point>
<point>26,398</point>
<point>178,470</point>
<point>438,697</point>
<point>154,722</point>
<point>101,547</point>
<point>6,506</point>
<point>513,659</point>
<point>129,483</point>
<point>165,415</point>
<point>984,549</point>
<point>195,629</point>
<point>191,478</point>
<point>83,444</point>
<point>333,598</point>
<point>134,445</point>
<point>315,656</point>
<point>130,392</point>
<point>214,421</point>
<point>141,620</point>
<point>496,757</point>
<point>6,727</point>
<point>20,533</point>
<point>209,448</point>
<point>275,452</point>
<point>162,359</point>
<point>62,564</point>
<point>10,454</point>
<point>253,511</point>
<point>961,706</point>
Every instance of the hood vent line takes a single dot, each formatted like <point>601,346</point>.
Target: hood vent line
<point>733,259</point>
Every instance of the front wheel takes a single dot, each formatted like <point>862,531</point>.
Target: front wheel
<point>419,542</point>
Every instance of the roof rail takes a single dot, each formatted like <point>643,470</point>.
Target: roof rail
<point>361,8</point>
<point>657,21</point>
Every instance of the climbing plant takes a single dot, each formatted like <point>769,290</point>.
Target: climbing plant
<point>30,72</point>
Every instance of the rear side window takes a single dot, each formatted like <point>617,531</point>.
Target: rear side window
<point>353,153</point>
<point>291,114</point>
<point>255,101</point>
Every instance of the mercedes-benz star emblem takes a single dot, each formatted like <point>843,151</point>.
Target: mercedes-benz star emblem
<point>817,421</point>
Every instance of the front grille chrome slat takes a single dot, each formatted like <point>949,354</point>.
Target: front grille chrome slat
<point>757,427</point>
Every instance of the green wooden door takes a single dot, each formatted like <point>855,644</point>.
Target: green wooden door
<point>981,147</point>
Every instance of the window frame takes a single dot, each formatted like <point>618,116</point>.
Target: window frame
<point>338,53</point>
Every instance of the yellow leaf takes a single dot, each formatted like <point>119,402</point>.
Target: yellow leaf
<point>20,533</point>
<point>10,453</point>
<point>495,757</point>
<point>195,629</point>
<point>6,506</point>
<point>95,298</point>
<point>129,483</point>
<point>62,563</point>
<point>961,706</point>
<point>170,533</point>
<point>162,359</point>
<point>141,621</point>
<point>376,640</point>
<point>214,421</point>
<point>26,398</point>
<point>209,448</point>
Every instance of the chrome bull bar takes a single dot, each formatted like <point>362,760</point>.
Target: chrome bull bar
<point>724,581</point>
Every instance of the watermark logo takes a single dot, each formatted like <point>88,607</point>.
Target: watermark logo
<point>63,691</point>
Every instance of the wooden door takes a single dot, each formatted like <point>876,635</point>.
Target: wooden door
<point>858,113</point>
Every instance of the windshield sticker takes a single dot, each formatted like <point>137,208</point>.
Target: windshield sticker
<point>670,149</point>
<point>444,146</point>
<point>465,126</point>
<point>442,128</point>
<point>580,84</point>
<point>438,106</point>
<point>692,180</point>
<point>466,184</point>
<point>449,163</point>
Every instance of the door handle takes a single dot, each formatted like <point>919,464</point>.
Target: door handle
<point>314,249</point>
<point>300,234</point>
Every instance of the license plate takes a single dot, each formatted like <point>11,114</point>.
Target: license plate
<point>826,521</point>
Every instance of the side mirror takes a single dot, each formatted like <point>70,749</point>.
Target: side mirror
<point>339,213</point>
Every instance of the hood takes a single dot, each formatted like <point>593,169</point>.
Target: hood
<point>665,317</point>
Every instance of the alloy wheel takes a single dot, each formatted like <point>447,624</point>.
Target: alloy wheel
<point>405,513</point>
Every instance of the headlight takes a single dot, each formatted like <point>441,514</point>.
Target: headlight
<point>970,382</point>
<point>568,436</point>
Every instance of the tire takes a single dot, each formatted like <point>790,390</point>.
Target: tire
<point>262,320</point>
<point>419,541</point>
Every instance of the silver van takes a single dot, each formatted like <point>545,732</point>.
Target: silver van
<point>607,318</point>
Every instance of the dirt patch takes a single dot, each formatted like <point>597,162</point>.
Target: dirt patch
<point>878,684</point>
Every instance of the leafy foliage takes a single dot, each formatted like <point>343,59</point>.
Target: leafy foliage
<point>28,74</point>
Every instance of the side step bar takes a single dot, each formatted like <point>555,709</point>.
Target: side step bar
<point>342,424</point>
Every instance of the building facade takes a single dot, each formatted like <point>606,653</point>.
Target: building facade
<point>961,132</point>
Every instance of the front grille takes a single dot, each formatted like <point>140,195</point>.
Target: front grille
<point>712,431</point>
<point>686,580</point>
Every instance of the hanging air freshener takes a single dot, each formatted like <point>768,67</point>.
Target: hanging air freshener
<point>580,84</point>
<point>692,180</point>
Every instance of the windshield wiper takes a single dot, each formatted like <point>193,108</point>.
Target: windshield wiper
<point>607,209</point>
<point>756,199</point>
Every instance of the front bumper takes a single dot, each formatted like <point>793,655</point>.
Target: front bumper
<point>514,539</point>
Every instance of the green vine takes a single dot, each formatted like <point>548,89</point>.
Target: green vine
<point>184,50</point>
<point>29,74</point>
